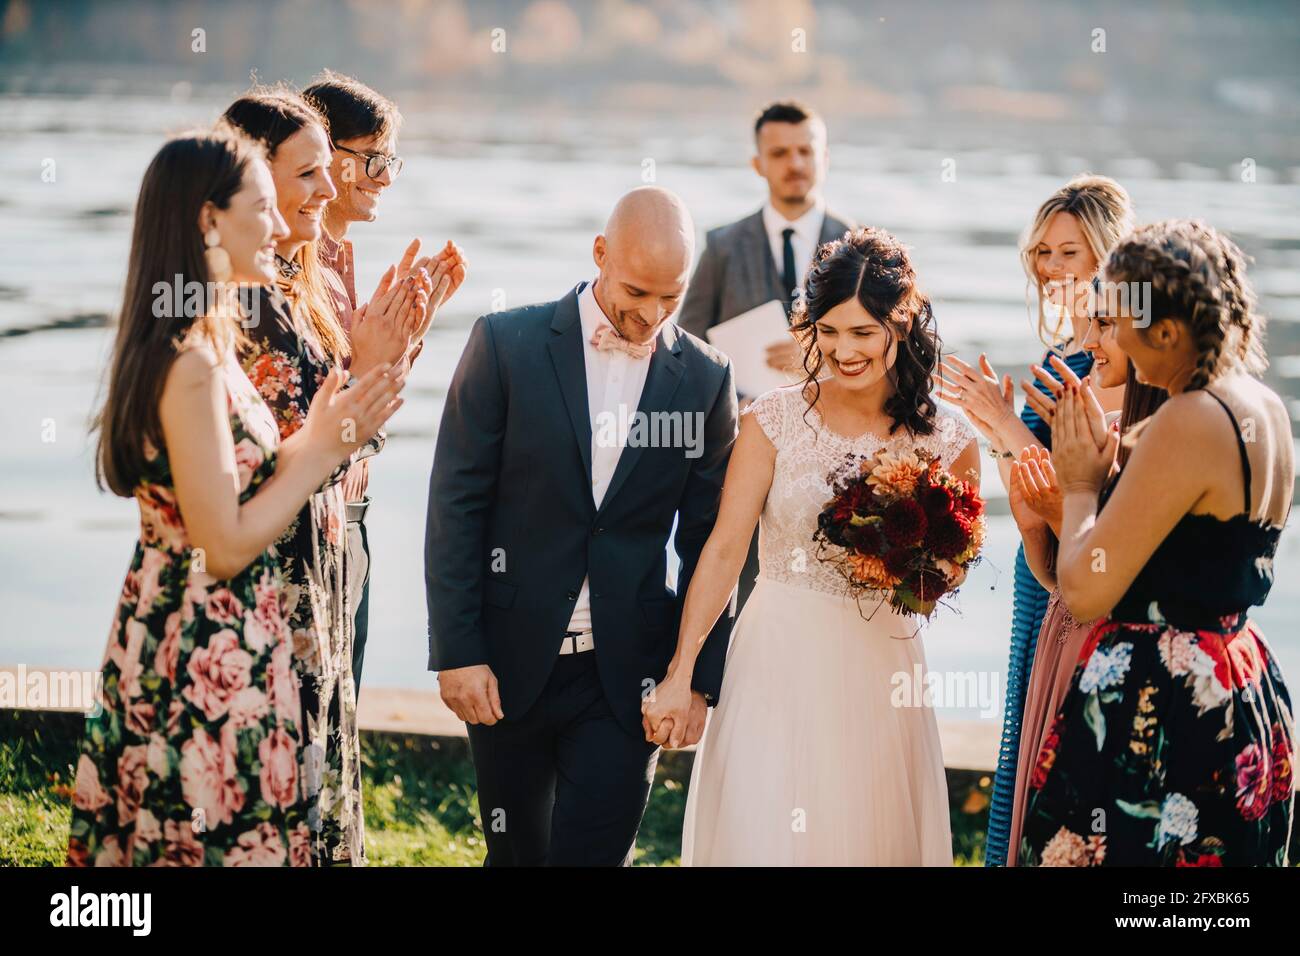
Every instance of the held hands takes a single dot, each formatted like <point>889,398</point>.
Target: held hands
<point>1083,448</point>
<point>673,715</point>
<point>986,401</point>
<point>340,421</point>
<point>472,694</point>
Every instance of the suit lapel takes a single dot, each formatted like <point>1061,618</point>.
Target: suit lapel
<point>757,250</point>
<point>566,348</point>
<point>662,379</point>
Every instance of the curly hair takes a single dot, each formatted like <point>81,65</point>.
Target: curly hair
<point>873,267</point>
<point>1196,275</point>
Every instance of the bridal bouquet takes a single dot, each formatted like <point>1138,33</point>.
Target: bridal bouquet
<point>900,524</point>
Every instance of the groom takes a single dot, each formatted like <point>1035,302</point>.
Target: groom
<point>574,433</point>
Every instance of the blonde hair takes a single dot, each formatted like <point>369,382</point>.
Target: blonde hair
<point>1105,214</point>
<point>1197,276</point>
<point>309,294</point>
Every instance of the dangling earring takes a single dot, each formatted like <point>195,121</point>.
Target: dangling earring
<point>218,259</point>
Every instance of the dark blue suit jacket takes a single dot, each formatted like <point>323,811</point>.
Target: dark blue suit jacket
<point>512,528</point>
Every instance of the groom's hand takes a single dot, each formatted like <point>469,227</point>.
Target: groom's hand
<point>471,693</point>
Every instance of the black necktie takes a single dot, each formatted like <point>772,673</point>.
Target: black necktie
<point>789,277</point>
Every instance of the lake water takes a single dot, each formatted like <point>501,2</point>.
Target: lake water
<point>524,195</point>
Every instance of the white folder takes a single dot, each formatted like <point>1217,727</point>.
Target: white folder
<point>745,339</point>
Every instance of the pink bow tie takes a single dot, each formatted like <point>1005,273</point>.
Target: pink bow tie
<point>607,339</point>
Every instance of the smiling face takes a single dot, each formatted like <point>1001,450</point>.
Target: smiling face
<point>249,227</point>
<point>637,290</point>
<point>857,347</point>
<point>1064,261</point>
<point>1109,363</point>
<point>303,186</point>
<point>358,199</point>
<point>792,158</point>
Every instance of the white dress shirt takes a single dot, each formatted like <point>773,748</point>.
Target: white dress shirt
<point>614,384</point>
<point>807,233</point>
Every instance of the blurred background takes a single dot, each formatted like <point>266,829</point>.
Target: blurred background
<point>524,123</point>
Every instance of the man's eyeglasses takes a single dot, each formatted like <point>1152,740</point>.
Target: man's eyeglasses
<point>376,163</point>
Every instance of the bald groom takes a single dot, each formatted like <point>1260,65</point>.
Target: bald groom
<point>574,433</point>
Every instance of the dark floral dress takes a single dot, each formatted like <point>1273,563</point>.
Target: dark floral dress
<point>287,366</point>
<point>1175,743</point>
<point>193,758</point>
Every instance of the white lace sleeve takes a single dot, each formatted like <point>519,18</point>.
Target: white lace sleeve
<point>770,410</point>
<point>953,433</point>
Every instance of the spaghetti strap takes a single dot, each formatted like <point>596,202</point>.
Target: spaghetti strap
<point>1241,447</point>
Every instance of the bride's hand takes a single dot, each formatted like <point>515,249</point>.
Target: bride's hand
<point>666,713</point>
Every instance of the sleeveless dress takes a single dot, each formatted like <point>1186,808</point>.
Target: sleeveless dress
<point>808,759</point>
<point>193,757</point>
<point>1176,740</point>
<point>1029,607</point>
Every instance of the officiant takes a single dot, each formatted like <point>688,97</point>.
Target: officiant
<point>764,257</point>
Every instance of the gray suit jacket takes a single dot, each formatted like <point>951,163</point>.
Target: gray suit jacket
<point>736,273</point>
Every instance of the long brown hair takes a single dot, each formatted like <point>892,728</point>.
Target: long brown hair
<point>271,114</point>
<point>166,250</point>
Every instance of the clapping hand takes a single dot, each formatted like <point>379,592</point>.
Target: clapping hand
<point>439,276</point>
<point>986,401</point>
<point>1083,447</point>
<point>1045,405</point>
<point>341,420</point>
<point>1033,483</point>
<point>382,329</point>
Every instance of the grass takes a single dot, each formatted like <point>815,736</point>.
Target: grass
<point>420,801</point>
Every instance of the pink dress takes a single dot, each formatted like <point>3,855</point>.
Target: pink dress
<point>1060,641</point>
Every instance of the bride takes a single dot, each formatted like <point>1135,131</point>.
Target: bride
<point>806,759</point>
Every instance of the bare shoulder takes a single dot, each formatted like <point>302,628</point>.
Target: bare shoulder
<point>196,365</point>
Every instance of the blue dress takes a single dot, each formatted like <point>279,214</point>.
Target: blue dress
<point>1028,607</point>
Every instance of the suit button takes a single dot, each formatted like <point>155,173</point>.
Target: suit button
<point>573,595</point>
<point>597,530</point>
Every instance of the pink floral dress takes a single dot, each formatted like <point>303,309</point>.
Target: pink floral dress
<point>193,758</point>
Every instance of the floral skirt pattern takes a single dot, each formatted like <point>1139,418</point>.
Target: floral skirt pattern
<point>193,756</point>
<point>1172,748</point>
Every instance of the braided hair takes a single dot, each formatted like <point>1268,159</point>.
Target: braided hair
<point>1197,276</point>
<point>870,265</point>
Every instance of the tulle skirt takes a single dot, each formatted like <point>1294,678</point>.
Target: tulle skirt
<point>821,750</point>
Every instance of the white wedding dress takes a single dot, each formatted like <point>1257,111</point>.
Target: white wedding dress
<point>805,760</point>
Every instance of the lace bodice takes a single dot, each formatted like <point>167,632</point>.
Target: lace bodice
<point>807,455</point>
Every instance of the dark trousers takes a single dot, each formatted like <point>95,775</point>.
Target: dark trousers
<point>747,574</point>
<point>361,622</point>
<point>563,784</point>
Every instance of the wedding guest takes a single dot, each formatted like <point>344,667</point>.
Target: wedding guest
<point>1036,506</point>
<point>1068,239</point>
<point>1175,743</point>
<point>766,255</point>
<point>194,757</point>
<point>287,356</point>
<point>363,129</point>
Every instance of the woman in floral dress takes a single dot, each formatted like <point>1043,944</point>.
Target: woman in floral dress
<point>288,355</point>
<point>193,756</point>
<point>1175,743</point>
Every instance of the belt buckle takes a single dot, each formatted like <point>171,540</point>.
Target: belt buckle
<point>577,642</point>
